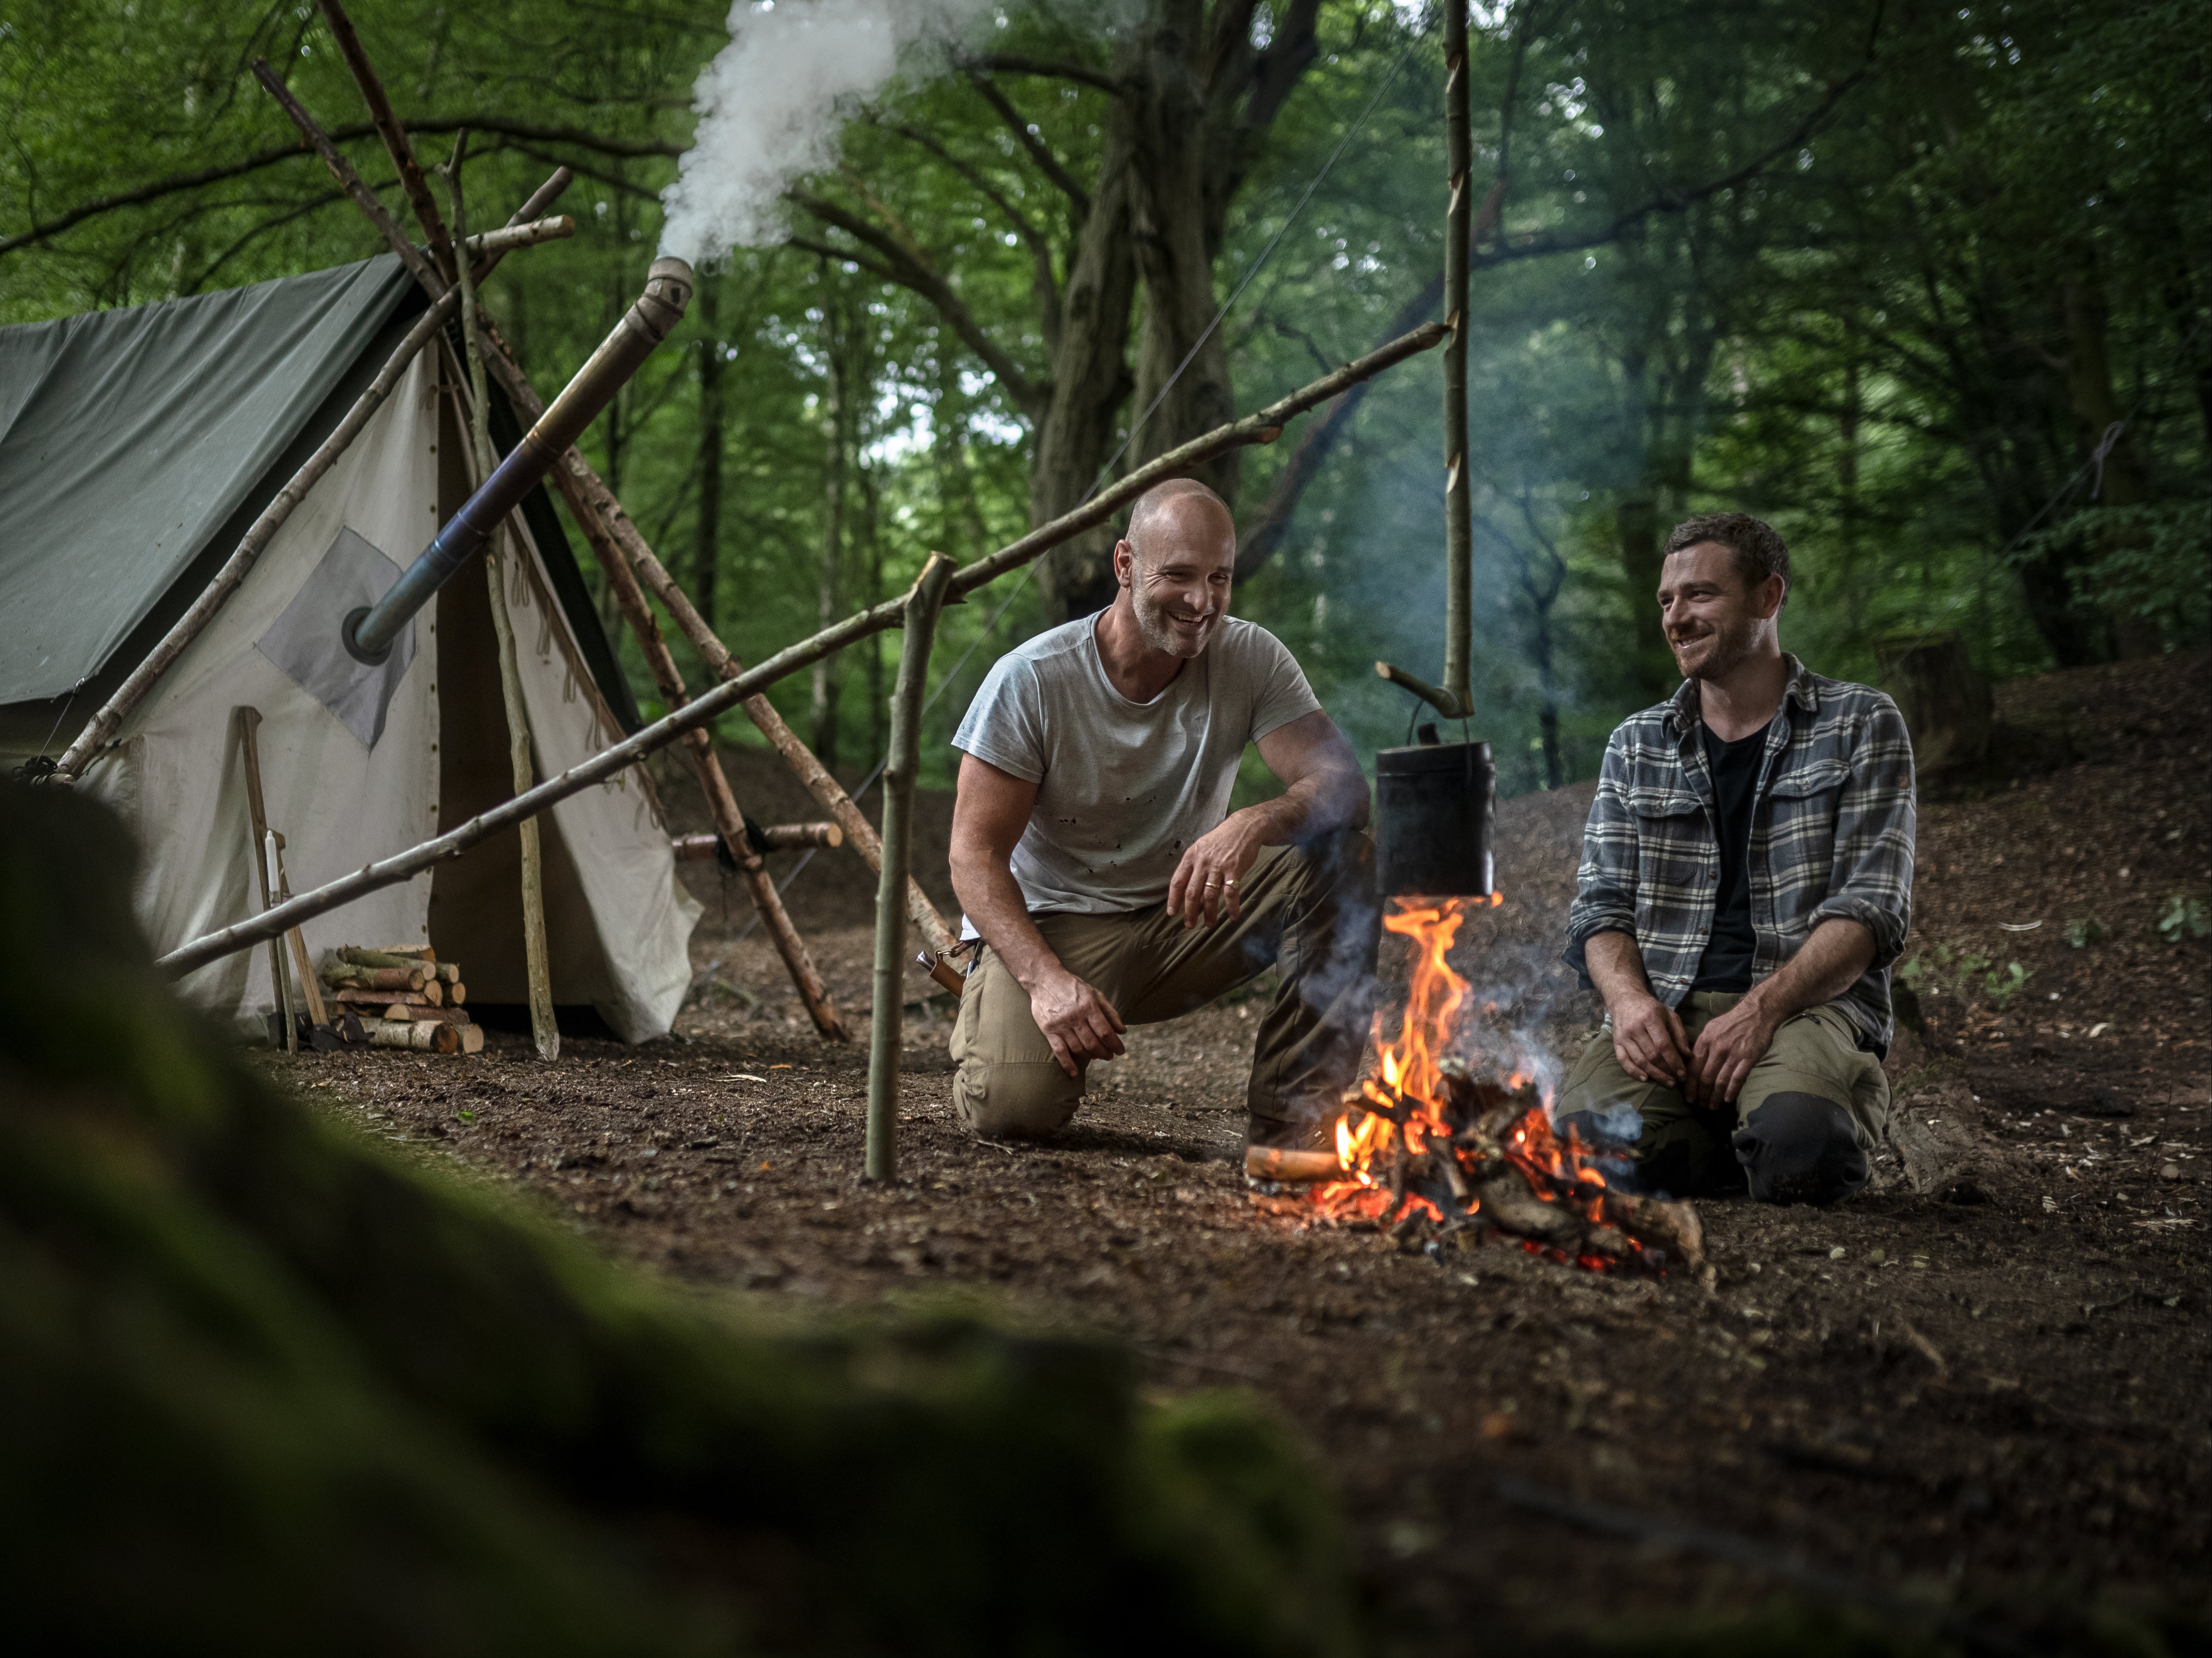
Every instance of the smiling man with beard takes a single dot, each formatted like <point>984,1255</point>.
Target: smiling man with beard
<point>1097,858</point>
<point>1746,883</point>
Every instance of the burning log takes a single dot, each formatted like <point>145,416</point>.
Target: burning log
<point>1429,1148</point>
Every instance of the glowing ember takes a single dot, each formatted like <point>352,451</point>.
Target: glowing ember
<point>1427,1146</point>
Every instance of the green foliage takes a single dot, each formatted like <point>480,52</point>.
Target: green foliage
<point>1957,972</point>
<point>1881,275</point>
<point>264,1387</point>
<point>2085,932</point>
<point>2185,914</point>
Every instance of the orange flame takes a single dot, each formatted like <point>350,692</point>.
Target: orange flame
<point>1406,1101</point>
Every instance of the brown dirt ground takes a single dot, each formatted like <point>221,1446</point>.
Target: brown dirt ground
<point>1997,1407</point>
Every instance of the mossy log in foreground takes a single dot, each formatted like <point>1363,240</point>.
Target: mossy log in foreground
<point>262,1388</point>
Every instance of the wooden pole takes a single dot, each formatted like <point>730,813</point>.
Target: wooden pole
<point>1455,698</point>
<point>906,696</point>
<point>1459,521</point>
<point>395,139</point>
<point>313,992</point>
<point>132,691</point>
<point>1264,427</point>
<point>248,721</point>
<point>544,1030</point>
<point>721,802</point>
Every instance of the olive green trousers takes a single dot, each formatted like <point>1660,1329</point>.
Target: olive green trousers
<point>1308,911</point>
<point>1800,1130</point>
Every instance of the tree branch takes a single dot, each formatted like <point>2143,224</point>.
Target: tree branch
<point>1040,152</point>
<point>177,182</point>
<point>908,272</point>
<point>1046,285</point>
<point>1265,533</point>
<point>1015,63</point>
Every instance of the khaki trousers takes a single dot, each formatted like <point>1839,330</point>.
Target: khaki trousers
<point>1308,911</point>
<point>1799,1131</point>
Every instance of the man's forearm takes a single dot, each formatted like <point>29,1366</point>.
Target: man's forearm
<point>1615,961</point>
<point>1827,964</point>
<point>993,900</point>
<point>1313,805</point>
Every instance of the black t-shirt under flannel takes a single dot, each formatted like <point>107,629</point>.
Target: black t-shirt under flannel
<point>1726,964</point>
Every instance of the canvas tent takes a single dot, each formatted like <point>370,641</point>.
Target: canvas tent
<point>135,447</point>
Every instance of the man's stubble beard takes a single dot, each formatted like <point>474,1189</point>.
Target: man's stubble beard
<point>1727,648</point>
<point>1153,627</point>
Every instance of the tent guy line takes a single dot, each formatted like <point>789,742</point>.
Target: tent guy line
<point>1260,427</point>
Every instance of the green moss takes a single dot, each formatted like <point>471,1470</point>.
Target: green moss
<point>262,1386</point>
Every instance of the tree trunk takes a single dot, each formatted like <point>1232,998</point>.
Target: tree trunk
<point>872,545</point>
<point>705,558</point>
<point>837,396</point>
<point>1176,231</point>
<point>1090,371</point>
<point>2096,413</point>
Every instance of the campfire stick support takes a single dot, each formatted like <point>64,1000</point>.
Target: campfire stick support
<point>1263,427</point>
<point>1455,698</point>
<point>905,758</point>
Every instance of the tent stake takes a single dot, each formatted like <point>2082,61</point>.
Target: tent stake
<point>1263,427</point>
<point>132,691</point>
<point>907,693</point>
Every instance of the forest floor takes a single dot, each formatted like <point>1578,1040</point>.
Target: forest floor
<point>1992,1412</point>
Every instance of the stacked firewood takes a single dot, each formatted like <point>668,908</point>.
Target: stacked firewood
<point>405,996</point>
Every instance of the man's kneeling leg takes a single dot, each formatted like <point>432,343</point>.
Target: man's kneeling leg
<point>1810,1112</point>
<point>1005,1082</point>
<point>1799,1148</point>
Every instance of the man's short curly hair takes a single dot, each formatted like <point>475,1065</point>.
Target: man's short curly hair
<point>1757,550</point>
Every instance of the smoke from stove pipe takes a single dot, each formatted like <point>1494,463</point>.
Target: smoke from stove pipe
<point>369,633</point>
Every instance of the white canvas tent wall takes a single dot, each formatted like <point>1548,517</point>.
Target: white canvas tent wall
<point>134,444</point>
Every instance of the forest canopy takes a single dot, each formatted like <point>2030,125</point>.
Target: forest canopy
<point>1929,287</point>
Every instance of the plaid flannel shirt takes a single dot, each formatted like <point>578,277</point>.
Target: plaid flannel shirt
<point>1832,832</point>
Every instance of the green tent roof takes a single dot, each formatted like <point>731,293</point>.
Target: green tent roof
<point>127,438</point>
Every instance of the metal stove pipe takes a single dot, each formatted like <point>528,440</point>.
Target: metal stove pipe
<point>369,633</point>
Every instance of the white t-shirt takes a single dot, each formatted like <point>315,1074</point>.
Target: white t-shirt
<point>1123,787</point>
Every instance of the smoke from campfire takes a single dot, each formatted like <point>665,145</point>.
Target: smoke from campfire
<point>771,103</point>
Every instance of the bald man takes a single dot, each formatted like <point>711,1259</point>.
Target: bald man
<point>1097,858</point>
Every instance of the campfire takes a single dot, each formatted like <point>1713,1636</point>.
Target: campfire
<point>1440,1151</point>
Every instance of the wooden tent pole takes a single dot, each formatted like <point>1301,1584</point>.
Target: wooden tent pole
<point>544,1029</point>
<point>721,801</point>
<point>922,605</point>
<point>247,720</point>
<point>809,770</point>
<point>1263,427</point>
<point>132,691</point>
<point>395,139</point>
<point>580,484</point>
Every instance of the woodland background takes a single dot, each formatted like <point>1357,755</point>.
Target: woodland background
<point>1928,286</point>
